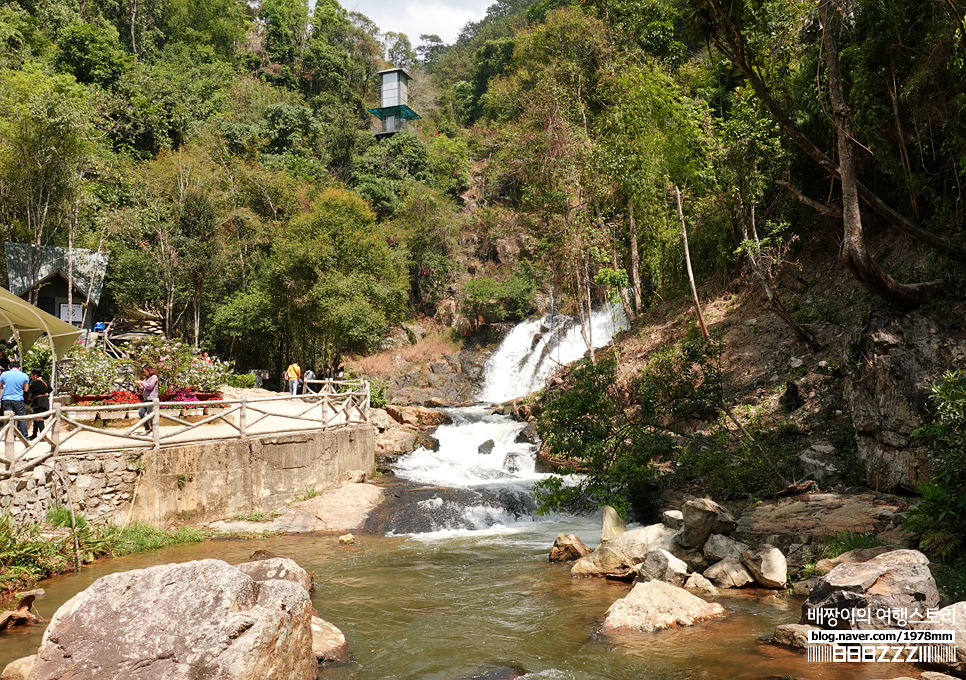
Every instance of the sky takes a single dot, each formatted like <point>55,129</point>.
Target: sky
<point>445,18</point>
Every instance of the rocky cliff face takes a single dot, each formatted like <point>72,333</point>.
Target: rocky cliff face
<point>895,358</point>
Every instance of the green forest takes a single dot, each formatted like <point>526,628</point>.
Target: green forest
<point>221,153</point>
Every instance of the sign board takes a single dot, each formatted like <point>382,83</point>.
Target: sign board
<point>78,315</point>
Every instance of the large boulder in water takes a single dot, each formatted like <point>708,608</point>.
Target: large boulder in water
<point>203,619</point>
<point>729,573</point>
<point>768,567</point>
<point>660,565</point>
<point>277,569</point>
<point>897,580</point>
<point>655,605</point>
<point>616,558</point>
<point>612,526</point>
<point>567,548</point>
<point>703,517</point>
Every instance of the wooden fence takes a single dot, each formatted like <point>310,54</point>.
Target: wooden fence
<point>338,403</point>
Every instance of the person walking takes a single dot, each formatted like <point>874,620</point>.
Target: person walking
<point>293,374</point>
<point>307,377</point>
<point>149,392</point>
<point>15,383</point>
<point>38,395</point>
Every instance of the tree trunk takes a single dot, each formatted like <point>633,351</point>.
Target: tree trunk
<point>625,298</point>
<point>635,259</point>
<point>863,266</point>
<point>687,261</point>
<point>134,17</point>
<point>729,40</point>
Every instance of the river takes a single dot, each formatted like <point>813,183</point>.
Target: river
<point>454,582</point>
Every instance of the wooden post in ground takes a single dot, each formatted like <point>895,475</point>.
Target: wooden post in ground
<point>55,430</point>
<point>241,417</point>
<point>8,454</point>
<point>156,423</point>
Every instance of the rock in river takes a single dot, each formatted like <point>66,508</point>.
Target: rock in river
<point>203,619</point>
<point>568,548</point>
<point>894,580</point>
<point>656,605</point>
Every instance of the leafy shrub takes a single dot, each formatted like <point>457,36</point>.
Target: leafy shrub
<point>245,381</point>
<point>87,370</point>
<point>177,364</point>
<point>511,299</point>
<point>937,519</point>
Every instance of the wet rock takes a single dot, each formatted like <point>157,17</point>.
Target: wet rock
<point>568,548</point>
<point>718,547</point>
<point>491,671</point>
<point>486,448</point>
<point>616,557</point>
<point>428,442</point>
<point>952,618</point>
<point>894,580</point>
<point>21,669</point>
<point>792,635</point>
<point>767,567</point>
<point>528,435</point>
<point>395,440</point>
<point>932,675</point>
<point>663,566</point>
<point>728,573</point>
<point>277,568</point>
<point>672,519</point>
<point>182,621</point>
<point>857,555</point>
<point>328,642</point>
<point>416,416</point>
<point>656,605</point>
<point>700,586</point>
<point>21,616</point>
<point>261,555</point>
<point>613,524</point>
<point>347,539</point>
<point>703,517</point>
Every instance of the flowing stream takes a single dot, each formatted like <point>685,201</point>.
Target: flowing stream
<point>454,581</point>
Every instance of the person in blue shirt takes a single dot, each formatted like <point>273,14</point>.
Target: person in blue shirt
<point>15,383</point>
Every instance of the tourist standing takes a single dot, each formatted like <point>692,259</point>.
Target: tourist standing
<point>293,374</point>
<point>307,377</point>
<point>149,392</point>
<point>15,384</point>
<point>4,361</point>
<point>38,395</point>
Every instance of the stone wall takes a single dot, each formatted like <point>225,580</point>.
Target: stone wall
<point>194,483</point>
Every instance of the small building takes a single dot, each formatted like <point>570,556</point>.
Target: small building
<point>393,113</point>
<point>44,270</point>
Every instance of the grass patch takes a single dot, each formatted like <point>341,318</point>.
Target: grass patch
<point>28,555</point>
<point>310,492</point>
<point>951,579</point>
<point>844,541</point>
<point>257,516</point>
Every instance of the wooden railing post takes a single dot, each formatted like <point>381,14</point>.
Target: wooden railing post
<point>156,423</point>
<point>8,454</point>
<point>241,417</point>
<point>55,430</point>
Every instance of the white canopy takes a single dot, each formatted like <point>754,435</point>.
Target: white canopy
<point>19,318</point>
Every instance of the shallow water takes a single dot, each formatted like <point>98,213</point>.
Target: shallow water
<point>455,603</point>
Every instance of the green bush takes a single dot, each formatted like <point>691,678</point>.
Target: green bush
<point>241,380</point>
<point>510,299</point>
<point>937,519</point>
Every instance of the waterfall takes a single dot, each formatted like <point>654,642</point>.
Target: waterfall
<point>481,476</point>
<point>534,349</point>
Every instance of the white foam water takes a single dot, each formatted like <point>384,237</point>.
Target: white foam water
<point>534,349</point>
<point>459,462</point>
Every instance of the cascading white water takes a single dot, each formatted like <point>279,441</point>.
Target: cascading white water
<point>534,349</point>
<point>478,452</point>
